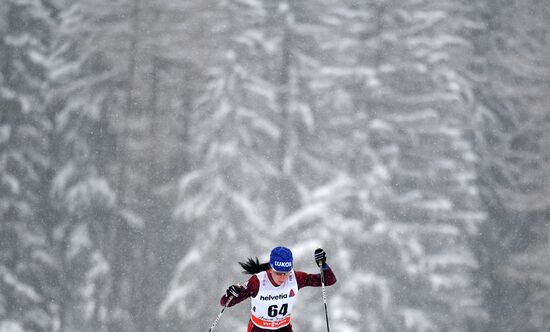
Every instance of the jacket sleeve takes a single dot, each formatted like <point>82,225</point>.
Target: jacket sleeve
<point>314,280</point>
<point>249,289</point>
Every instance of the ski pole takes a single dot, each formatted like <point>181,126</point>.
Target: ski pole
<point>220,314</point>
<point>324,294</point>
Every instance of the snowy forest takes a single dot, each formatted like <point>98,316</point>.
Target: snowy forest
<point>147,147</point>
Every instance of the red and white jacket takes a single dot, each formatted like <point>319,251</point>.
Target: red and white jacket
<point>264,283</point>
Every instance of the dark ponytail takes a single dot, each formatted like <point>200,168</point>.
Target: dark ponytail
<point>253,266</point>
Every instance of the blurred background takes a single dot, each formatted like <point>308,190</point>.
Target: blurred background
<point>146,147</point>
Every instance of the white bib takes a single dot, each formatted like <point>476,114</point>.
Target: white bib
<point>272,306</point>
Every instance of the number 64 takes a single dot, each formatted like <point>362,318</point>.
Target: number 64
<point>273,310</point>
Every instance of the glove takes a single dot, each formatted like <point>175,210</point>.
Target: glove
<point>320,256</point>
<point>233,291</point>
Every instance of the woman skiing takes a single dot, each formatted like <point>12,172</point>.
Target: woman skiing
<point>273,288</point>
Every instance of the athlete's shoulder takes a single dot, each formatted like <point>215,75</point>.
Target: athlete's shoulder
<point>253,278</point>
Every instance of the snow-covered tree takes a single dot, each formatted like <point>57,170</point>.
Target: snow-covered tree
<point>247,141</point>
<point>222,192</point>
<point>82,199</point>
<point>394,64</point>
<point>512,136</point>
<point>53,272</point>
<point>24,46</point>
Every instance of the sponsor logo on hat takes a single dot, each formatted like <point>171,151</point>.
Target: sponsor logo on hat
<point>282,264</point>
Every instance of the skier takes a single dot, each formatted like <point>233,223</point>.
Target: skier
<point>273,288</point>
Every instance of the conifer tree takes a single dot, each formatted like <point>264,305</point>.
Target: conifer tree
<point>24,161</point>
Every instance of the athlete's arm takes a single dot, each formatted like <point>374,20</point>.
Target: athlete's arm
<point>249,289</point>
<point>314,280</point>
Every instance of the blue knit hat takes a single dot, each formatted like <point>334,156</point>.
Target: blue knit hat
<point>280,259</point>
